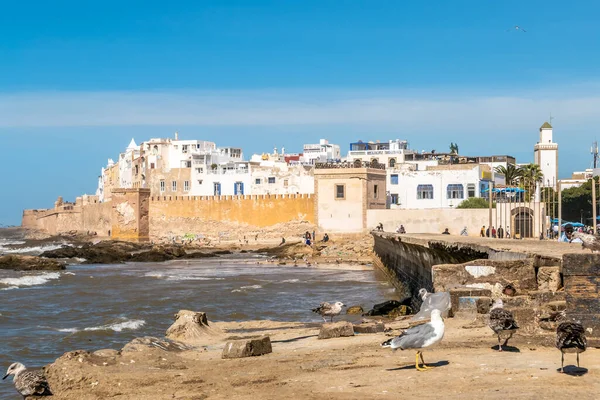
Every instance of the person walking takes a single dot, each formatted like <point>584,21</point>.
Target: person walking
<point>500,233</point>
<point>482,232</point>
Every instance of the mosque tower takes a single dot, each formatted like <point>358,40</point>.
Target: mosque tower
<point>545,154</point>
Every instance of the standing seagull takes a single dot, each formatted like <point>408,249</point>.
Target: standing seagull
<point>329,310</point>
<point>588,241</point>
<point>516,28</point>
<point>570,338</point>
<point>502,323</point>
<point>419,337</point>
<point>28,382</point>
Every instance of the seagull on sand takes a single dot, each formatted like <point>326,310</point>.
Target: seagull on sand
<point>329,309</point>
<point>502,323</point>
<point>516,28</point>
<point>418,337</point>
<point>570,338</point>
<point>28,382</point>
<point>588,241</point>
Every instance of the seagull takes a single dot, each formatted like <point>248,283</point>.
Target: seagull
<point>329,310</point>
<point>570,338</point>
<point>502,323</point>
<point>431,301</point>
<point>588,241</point>
<point>517,28</point>
<point>28,382</point>
<point>418,337</point>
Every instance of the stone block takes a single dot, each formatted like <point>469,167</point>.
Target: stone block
<point>336,329</point>
<point>483,304</point>
<point>247,348</point>
<point>369,327</point>
<point>548,278</point>
<point>457,293</point>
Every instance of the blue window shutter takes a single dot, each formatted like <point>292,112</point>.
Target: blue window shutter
<point>242,188</point>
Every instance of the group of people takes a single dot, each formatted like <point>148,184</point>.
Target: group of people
<point>309,239</point>
<point>500,233</point>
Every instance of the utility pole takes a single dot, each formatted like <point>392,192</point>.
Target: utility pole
<point>559,211</point>
<point>594,152</point>
<point>594,203</point>
<point>491,193</point>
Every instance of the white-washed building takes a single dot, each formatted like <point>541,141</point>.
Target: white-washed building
<point>321,152</point>
<point>545,154</point>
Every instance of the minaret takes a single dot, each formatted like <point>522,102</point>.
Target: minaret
<point>545,154</point>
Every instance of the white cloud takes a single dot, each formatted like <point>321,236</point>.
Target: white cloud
<point>398,109</point>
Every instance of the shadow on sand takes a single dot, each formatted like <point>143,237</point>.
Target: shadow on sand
<point>412,366</point>
<point>293,339</point>
<point>508,349</point>
<point>573,370</point>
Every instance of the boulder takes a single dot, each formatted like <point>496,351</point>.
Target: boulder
<point>30,263</point>
<point>387,306</point>
<point>400,311</point>
<point>192,327</point>
<point>336,329</point>
<point>354,310</point>
<point>148,342</point>
<point>369,327</point>
<point>247,348</point>
<point>548,278</point>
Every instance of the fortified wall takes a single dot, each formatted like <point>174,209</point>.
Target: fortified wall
<point>133,214</point>
<point>539,281</point>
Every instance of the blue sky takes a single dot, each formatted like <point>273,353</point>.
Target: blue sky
<point>79,79</point>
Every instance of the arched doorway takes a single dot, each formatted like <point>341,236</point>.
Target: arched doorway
<point>522,222</point>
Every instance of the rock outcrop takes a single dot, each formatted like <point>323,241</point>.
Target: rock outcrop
<point>30,263</point>
<point>192,328</point>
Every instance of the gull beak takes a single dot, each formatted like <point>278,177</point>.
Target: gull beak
<point>6,376</point>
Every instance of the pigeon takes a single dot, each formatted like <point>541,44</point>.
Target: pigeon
<point>502,323</point>
<point>28,382</point>
<point>570,338</point>
<point>418,337</point>
<point>329,310</point>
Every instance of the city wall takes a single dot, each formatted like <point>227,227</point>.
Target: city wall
<point>93,217</point>
<point>179,215</point>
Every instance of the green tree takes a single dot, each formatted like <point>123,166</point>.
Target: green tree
<point>475,202</point>
<point>511,172</point>
<point>453,148</point>
<point>577,202</point>
<point>531,175</point>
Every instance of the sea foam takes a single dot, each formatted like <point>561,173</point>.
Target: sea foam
<point>30,280</point>
<point>130,324</point>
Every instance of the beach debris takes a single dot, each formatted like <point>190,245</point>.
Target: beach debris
<point>502,323</point>
<point>247,348</point>
<point>28,382</point>
<point>419,337</point>
<point>331,310</point>
<point>336,329</point>
<point>570,338</point>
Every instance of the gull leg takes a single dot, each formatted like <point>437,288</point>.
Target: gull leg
<point>324,320</point>
<point>423,362</point>
<point>417,362</point>
<point>562,362</point>
<point>577,360</point>
<point>499,344</point>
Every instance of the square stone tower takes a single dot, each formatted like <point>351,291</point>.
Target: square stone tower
<point>129,215</point>
<point>545,154</point>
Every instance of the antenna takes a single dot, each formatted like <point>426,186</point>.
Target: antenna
<point>594,153</point>
<point>550,119</point>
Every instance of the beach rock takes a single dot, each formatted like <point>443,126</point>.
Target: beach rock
<point>107,353</point>
<point>399,311</point>
<point>387,306</point>
<point>369,327</point>
<point>483,304</point>
<point>149,342</point>
<point>30,263</point>
<point>247,348</point>
<point>192,327</point>
<point>336,329</point>
<point>548,278</point>
<point>354,310</point>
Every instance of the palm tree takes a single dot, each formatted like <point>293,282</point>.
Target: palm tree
<point>453,148</point>
<point>511,173</point>
<point>531,175</point>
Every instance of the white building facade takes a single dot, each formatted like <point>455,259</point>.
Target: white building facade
<point>322,152</point>
<point>545,154</point>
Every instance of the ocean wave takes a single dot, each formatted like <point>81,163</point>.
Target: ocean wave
<point>159,275</point>
<point>290,281</point>
<point>251,287</point>
<point>10,288</point>
<point>68,273</point>
<point>130,324</point>
<point>30,280</point>
<point>34,249</point>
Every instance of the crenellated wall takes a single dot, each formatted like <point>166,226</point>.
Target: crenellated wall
<point>187,214</point>
<point>91,217</point>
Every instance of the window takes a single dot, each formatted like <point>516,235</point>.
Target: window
<point>285,183</point>
<point>186,186</point>
<point>151,165</point>
<point>174,186</point>
<point>392,162</point>
<point>199,181</point>
<point>271,179</point>
<point>340,191</point>
<point>394,198</point>
<point>471,190</point>
<point>375,192</point>
<point>175,147</point>
<point>238,188</point>
<point>425,192</point>
<point>217,189</point>
<point>188,164</point>
<point>162,186</point>
<point>455,191</point>
<point>184,148</point>
<point>394,179</point>
<point>137,169</point>
<point>257,181</point>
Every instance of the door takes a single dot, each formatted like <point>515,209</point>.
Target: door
<point>217,189</point>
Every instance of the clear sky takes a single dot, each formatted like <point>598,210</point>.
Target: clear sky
<point>79,79</point>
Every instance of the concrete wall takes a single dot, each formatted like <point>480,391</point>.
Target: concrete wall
<point>92,217</point>
<point>431,221</point>
<point>172,215</point>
